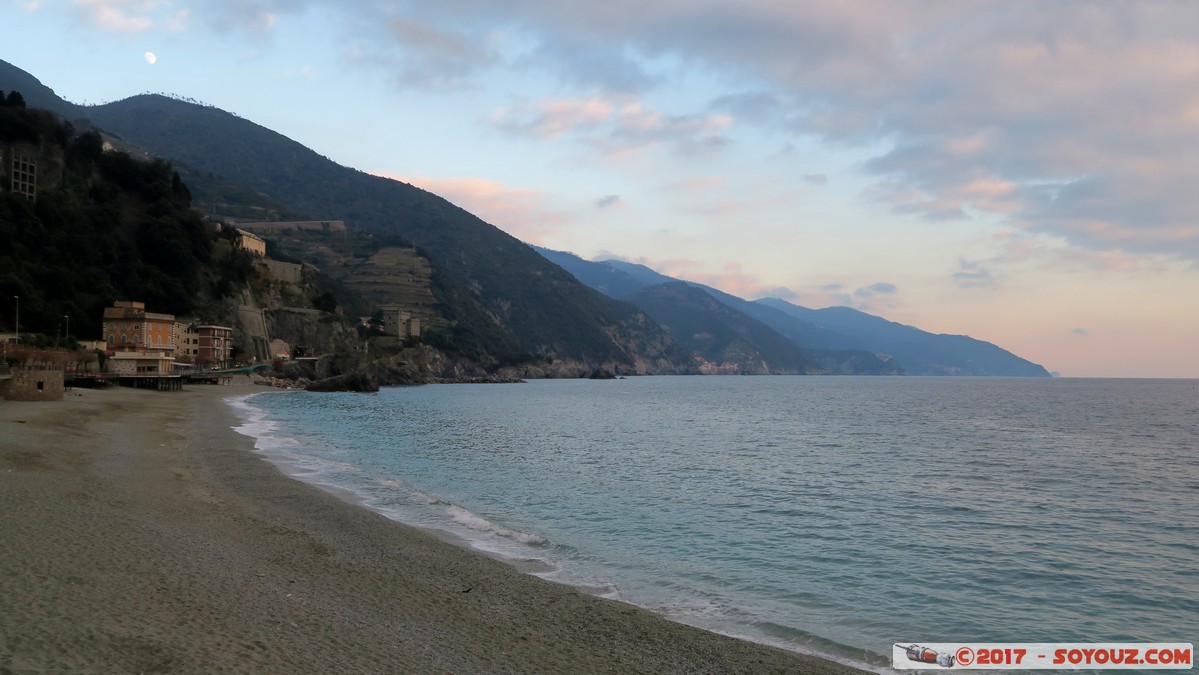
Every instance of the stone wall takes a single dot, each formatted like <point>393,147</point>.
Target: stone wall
<point>31,384</point>
<point>281,271</point>
<point>284,226</point>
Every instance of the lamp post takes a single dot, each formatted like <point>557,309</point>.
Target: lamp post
<point>17,322</point>
<point>67,317</point>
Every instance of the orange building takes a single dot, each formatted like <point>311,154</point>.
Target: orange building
<point>129,327</point>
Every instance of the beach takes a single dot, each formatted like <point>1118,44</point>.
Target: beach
<point>141,534</point>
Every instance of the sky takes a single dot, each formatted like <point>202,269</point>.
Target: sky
<point>1023,172</point>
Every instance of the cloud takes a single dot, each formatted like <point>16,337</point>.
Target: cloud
<point>1076,120</point>
<point>701,184</point>
<point>974,275</point>
<point>520,212</point>
<point>1080,331</point>
<point>814,178</point>
<point>1099,102</point>
<point>880,288</point>
<point>594,65</point>
<point>256,17</point>
<point>873,298</point>
<point>607,201</point>
<point>616,125</point>
<point>120,16</point>
<point>553,118</point>
<point>691,135</point>
<point>730,278</point>
<point>426,56</point>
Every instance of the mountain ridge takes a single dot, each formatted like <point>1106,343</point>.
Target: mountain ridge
<point>837,329</point>
<point>518,300</point>
<point>506,301</point>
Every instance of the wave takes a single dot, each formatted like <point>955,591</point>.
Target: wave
<point>474,521</point>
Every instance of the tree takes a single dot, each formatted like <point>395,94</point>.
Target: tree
<point>326,302</point>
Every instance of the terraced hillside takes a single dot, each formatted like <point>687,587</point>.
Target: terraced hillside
<point>378,274</point>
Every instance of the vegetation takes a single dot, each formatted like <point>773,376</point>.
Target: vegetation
<point>502,301</point>
<point>112,228</point>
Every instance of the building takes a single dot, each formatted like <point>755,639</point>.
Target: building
<point>251,242</point>
<point>399,323</point>
<point>129,327</point>
<point>132,364</point>
<point>205,345</point>
<point>33,384</point>
<point>215,346</point>
<point>187,341</point>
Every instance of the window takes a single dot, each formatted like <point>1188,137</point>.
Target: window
<point>24,176</point>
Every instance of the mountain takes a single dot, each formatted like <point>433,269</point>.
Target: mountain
<point>612,278</point>
<point>759,329</point>
<point>719,334</point>
<point>36,94</point>
<point>503,303</point>
<point>920,352</point>
<point>839,339</point>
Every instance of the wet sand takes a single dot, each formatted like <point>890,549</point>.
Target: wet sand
<point>140,534</point>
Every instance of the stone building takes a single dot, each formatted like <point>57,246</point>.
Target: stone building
<point>251,242</point>
<point>33,384</point>
<point>400,323</point>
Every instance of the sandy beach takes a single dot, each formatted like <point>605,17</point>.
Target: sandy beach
<point>140,534</point>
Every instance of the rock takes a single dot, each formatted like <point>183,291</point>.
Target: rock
<point>353,381</point>
<point>602,374</point>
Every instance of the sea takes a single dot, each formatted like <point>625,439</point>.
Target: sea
<point>829,515</point>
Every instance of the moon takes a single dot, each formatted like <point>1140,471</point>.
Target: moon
<point>151,58</point>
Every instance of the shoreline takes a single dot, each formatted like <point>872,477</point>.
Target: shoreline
<point>468,537</point>
<point>142,533</point>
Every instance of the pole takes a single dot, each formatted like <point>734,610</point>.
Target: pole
<point>17,327</point>
<point>68,330</point>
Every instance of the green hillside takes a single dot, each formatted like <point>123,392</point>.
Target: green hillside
<point>483,271</point>
<point>102,226</point>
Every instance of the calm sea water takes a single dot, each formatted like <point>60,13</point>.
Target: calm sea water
<point>826,514</point>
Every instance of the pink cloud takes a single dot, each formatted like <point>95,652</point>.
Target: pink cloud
<point>615,125</point>
<point>122,16</point>
<point>697,184</point>
<point>730,278</point>
<point>553,118</point>
<point>521,212</point>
